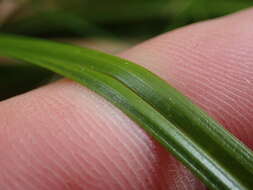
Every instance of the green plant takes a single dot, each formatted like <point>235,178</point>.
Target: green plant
<point>213,154</point>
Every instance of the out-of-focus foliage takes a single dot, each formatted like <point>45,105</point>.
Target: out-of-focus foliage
<point>19,78</point>
<point>134,18</point>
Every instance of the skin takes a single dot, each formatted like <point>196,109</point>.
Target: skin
<point>65,137</point>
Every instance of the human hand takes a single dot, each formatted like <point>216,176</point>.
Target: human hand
<point>63,136</point>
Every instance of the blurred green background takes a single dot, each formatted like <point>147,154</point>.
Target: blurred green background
<point>108,25</point>
<point>139,19</point>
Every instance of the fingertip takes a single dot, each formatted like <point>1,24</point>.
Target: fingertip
<point>64,136</point>
<point>210,62</point>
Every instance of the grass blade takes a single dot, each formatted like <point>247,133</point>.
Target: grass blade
<point>212,153</point>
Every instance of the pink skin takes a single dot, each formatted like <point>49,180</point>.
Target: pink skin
<point>65,137</point>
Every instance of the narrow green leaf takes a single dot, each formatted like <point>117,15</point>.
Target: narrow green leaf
<point>212,153</point>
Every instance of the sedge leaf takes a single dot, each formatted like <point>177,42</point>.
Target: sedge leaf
<point>213,154</point>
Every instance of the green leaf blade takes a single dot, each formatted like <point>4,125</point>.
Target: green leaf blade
<point>217,157</point>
